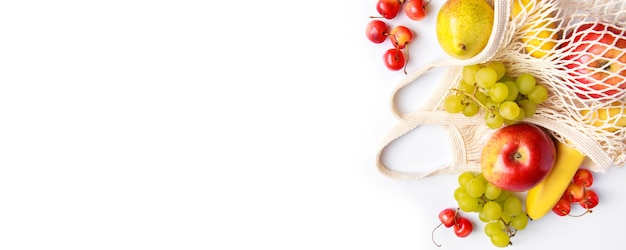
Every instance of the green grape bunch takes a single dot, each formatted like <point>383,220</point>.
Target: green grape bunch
<point>499,209</point>
<point>504,99</point>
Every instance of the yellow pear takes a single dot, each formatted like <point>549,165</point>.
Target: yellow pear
<point>463,27</point>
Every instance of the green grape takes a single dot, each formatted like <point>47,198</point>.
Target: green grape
<point>483,217</point>
<point>520,221</point>
<point>509,110</point>
<point>460,192</point>
<point>506,218</point>
<point>468,203</point>
<point>493,119</point>
<point>492,192</point>
<point>470,109</point>
<point>505,194</point>
<point>500,238</point>
<point>453,104</point>
<point>481,177</point>
<point>512,206</point>
<point>464,178</point>
<point>475,187</point>
<point>528,106</point>
<point>491,104</point>
<point>498,67</point>
<point>468,73</point>
<point>513,90</point>
<point>494,226</point>
<point>466,87</point>
<point>486,77</point>
<point>518,118</point>
<point>539,94</point>
<point>525,83</point>
<point>491,210</point>
<point>499,92</point>
<point>521,115</point>
<point>481,97</point>
<point>507,79</point>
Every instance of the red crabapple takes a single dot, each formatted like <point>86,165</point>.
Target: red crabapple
<point>394,59</point>
<point>415,9</point>
<point>400,36</point>
<point>388,8</point>
<point>377,31</point>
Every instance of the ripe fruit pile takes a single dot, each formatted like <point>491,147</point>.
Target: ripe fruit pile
<point>500,209</point>
<point>505,99</point>
<point>400,36</point>
<point>577,192</point>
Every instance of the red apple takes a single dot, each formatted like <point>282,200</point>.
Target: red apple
<point>595,55</point>
<point>517,157</point>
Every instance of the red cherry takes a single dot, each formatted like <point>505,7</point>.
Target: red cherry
<point>573,192</point>
<point>589,200</point>
<point>400,36</point>
<point>415,9</point>
<point>562,207</point>
<point>463,227</point>
<point>447,216</point>
<point>394,59</point>
<point>388,8</point>
<point>376,31</point>
<point>583,177</point>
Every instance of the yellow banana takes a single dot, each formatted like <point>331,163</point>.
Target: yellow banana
<point>542,197</point>
<point>610,118</point>
<point>540,37</point>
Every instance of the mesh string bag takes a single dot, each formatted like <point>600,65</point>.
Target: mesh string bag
<point>575,48</point>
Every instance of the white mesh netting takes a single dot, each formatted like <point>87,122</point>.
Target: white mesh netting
<point>577,49</point>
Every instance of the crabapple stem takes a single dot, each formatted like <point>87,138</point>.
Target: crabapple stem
<point>587,211</point>
<point>432,236</point>
<point>406,60</point>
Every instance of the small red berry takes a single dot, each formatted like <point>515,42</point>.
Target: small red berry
<point>447,217</point>
<point>388,8</point>
<point>589,200</point>
<point>562,207</point>
<point>463,227</point>
<point>583,177</point>
<point>394,59</point>
<point>376,31</point>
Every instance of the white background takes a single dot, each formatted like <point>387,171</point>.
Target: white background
<point>226,125</point>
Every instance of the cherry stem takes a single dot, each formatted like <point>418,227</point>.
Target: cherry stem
<point>432,236</point>
<point>426,4</point>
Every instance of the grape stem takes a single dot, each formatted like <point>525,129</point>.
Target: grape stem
<point>473,97</point>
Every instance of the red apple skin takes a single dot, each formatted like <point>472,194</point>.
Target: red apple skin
<point>517,157</point>
<point>590,63</point>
